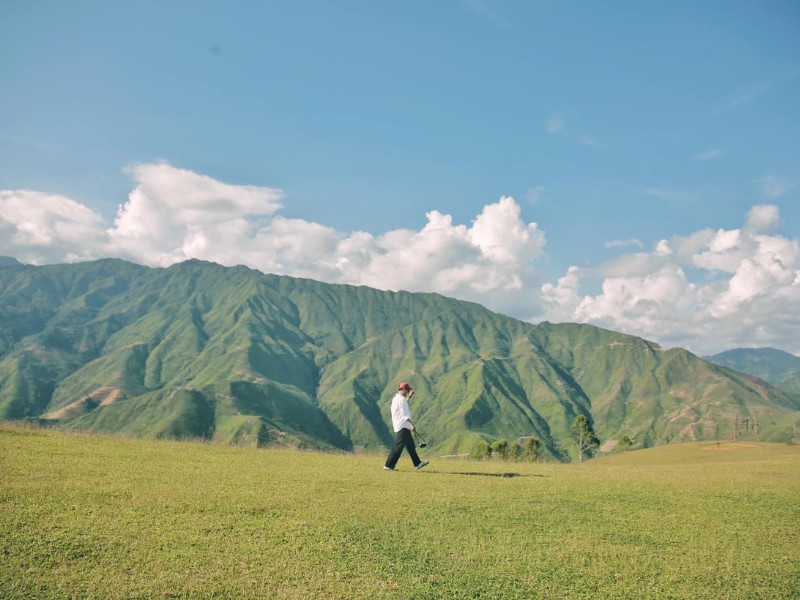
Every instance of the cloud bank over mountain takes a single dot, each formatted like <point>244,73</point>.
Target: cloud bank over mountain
<point>706,291</point>
<point>710,289</point>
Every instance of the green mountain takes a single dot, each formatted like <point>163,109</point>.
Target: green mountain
<point>777,367</point>
<point>240,357</point>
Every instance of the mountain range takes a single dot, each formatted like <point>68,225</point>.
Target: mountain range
<point>230,354</point>
<point>777,367</point>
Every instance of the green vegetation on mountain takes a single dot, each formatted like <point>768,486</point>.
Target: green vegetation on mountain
<point>240,357</point>
<point>777,367</point>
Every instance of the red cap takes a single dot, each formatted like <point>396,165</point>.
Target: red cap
<point>404,386</point>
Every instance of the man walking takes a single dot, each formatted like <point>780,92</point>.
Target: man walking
<point>403,427</point>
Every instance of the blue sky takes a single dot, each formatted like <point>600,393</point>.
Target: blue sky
<point>631,139</point>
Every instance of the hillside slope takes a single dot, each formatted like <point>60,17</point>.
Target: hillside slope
<point>231,354</point>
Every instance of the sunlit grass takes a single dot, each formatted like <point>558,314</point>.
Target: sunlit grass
<point>103,517</point>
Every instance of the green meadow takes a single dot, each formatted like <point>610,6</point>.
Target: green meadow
<point>90,516</point>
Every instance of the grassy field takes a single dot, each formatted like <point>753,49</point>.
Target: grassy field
<point>102,517</point>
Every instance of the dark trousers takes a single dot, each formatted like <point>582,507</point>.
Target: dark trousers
<point>403,439</point>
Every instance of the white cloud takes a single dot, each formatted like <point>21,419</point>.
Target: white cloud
<point>663,248</point>
<point>750,93</point>
<point>744,289</point>
<point>554,124</point>
<point>708,291</point>
<point>38,228</point>
<point>534,195</point>
<point>591,142</point>
<point>744,96</point>
<point>772,187</point>
<point>763,218</point>
<point>707,155</point>
<point>490,262</point>
<point>624,243</point>
<point>563,298</point>
<point>175,214</point>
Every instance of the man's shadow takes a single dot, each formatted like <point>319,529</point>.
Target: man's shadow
<point>477,474</point>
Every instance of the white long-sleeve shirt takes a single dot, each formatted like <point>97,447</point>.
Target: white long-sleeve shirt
<point>401,414</point>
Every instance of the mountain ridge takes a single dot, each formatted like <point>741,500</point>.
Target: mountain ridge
<point>238,356</point>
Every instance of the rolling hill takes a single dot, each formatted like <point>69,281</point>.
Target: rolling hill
<point>233,355</point>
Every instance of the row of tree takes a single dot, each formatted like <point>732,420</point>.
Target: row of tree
<point>530,448</point>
